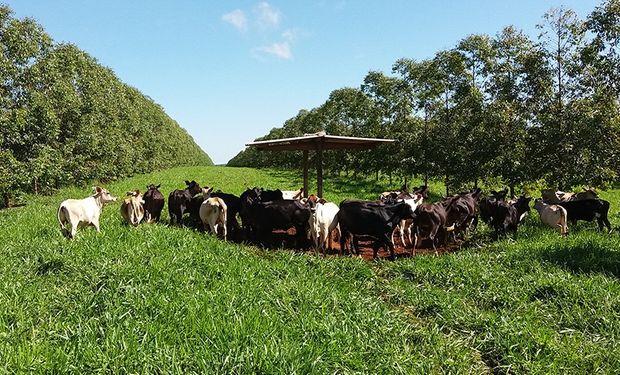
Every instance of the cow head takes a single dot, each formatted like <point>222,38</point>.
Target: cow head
<point>152,187</point>
<point>103,195</point>
<point>422,191</point>
<point>588,193</point>
<point>136,194</point>
<point>499,195</point>
<point>193,188</point>
<point>522,204</point>
<point>206,192</point>
<point>538,203</point>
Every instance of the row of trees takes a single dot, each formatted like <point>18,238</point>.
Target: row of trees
<point>506,107</point>
<point>65,119</point>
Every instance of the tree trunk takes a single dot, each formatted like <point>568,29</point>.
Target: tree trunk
<point>7,200</point>
<point>512,190</point>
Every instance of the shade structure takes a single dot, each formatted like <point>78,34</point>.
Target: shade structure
<point>318,142</point>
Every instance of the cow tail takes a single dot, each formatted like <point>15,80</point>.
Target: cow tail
<point>333,225</point>
<point>63,216</point>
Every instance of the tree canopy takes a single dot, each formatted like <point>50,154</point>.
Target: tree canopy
<point>66,119</point>
<point>506,108</point>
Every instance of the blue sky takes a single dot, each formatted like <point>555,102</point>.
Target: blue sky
<point>229,71</point>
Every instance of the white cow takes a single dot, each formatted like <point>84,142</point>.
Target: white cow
<point>213,212</point>
<point>320,221</point>
<point>132,208</point>
<point>552,215</point>
<point>81,212</point>
<point>405,225</point>
<point>293,194</point>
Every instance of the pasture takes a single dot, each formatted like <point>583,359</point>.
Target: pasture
<point>160,299</point>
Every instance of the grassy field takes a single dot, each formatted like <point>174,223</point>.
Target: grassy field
<point>158,299</point>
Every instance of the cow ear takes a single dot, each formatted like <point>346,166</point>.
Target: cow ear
<point>186,182</point>
<point>157,187</point>
<point>322,201</point>
<point>97,189</point>
<point>129,193</point>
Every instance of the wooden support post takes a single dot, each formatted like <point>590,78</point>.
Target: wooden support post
<point>306,173</point>
<point>319,171</point>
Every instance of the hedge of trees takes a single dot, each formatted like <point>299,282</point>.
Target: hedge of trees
<point>65,119</point>
<point>507,108</point>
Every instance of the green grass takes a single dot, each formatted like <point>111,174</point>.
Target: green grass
<point>159,299</point>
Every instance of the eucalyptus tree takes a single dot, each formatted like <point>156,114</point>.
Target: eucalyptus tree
<point>516,90</point>
<point>452,139</point>
<point>601,94</point>
<point>350,112</point>
<point>22,42</point>
<point>426,88</point>
<point>393,103</point>
<point>561,39</point>
<point>66,119</point>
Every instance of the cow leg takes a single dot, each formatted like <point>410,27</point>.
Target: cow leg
<point>329,241</point>
<point>73,230</point>
<point>409,234</point>
<point>375,248</point>
<point>389,245</point>
<point>225,230</point>
<point>96,224</point>
<point>392,236</point>
<point>416,237</point>
<point>343,241</point>
<point>603,221</point>
<point>433,237</point>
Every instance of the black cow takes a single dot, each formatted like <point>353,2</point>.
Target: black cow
<point>487,205</point>
<point>504,216</point>
<point>193,211</point>
<point>180,200</point>
<point>430,222</point>
<point>370,219</point>
<point>247,198</point>
<point>462,210</point>
<point>279,215</point>
<point>588,210</point>
<point>153,203</point>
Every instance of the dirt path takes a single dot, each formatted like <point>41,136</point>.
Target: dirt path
<point>286,239</point>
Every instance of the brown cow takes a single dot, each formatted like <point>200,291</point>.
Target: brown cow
<point>132,208</point>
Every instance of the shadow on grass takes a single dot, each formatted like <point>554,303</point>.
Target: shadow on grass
<point>584,257</point>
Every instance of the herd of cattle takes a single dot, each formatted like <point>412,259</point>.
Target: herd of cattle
<point>404,213</point>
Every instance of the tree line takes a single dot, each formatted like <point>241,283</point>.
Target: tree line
<point>506,108</point>
<point>65,119</point>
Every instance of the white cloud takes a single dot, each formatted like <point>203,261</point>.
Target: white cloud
<point>267,16</point>
<point>279,50</point>
<point>236,18</point>
<point>290,35</point>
